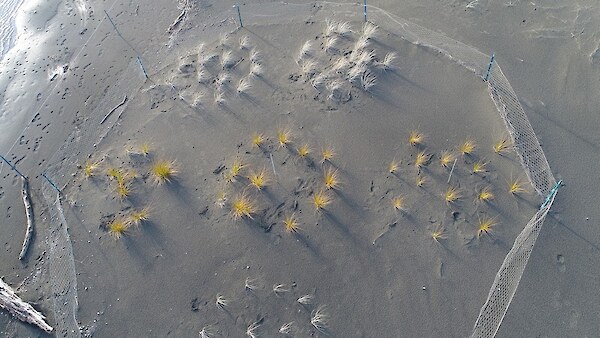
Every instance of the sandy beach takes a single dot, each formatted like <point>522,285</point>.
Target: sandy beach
<point>345,209</point>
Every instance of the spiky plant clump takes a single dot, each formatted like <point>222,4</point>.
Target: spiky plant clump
<point>236,167</point>
<point>421,180</point>
<point>415,138</point>
<point>331,179</point>
<point>321,200</point>
<point>227,59</point>
<point>255,56</point>
<point>278,289</point>
<point>330,43</point>
<point>364,58</point>
<point>479,167</point>
<point>327,154</point>
<point>485,195</point>
<point>318,82</point>
<point>306,299</point>
<point>502,146</point>
<point>252,330</point>
<point>330,27</point>
<point>259,179</point>
<point>319,319</point>
<point>220,98</point>
<point>256,70</point>
<point>360,45</point>
<point>245,43</point>
<point>452,195</point>
<point>467,147</point>
<point>145,149</point>
<point>305,51</point>
<point>242,206</point>
<point>438,234</point>
<point>446,159</point>
<point>394,166</point>
<point>89,169</point>
<point>399,203</point>
<point>388,62</point>
<point>291,223</point>
<point>368,80</point>
<point>355,73</point>
<point>258,139</point>
<point>207,332</point>
<point>284,137</point>
<point>304,150</point>
<point>309,68</point>
<point>118,228</point>
<point>221,199</point>
<point>163,171</point>
<point>517,186</point>
<point>123,189</point>
<point>114,173</point>
<point>486,225</point>
<point>244,85</point>
<point>221,302</point>
<point>287,329</point>
<point>422,159</point>
<point>369,30</point>
<point>137,217</point>
<point>343,29</point>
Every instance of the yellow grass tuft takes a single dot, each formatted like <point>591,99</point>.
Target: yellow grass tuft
<point>502,146</point>
<point>242,206</point>
<point>517,186</point>
<point>486,225</point>
<point>421,181</point>
<point>394,167</point>
<point>123,189</point>
<point>221,199</point>
<point>485,194</point>
<point>137,217</point>
<point>284,137</point>
<point>258,139</point>
<point>446,159</point>
<point>416,138</point>
<point>291,223</point>
<point>422,159</point>
<point>467,147</point>
<point>304,150</point>
<point>479,167</point>
<point>327,154</point>
<point>145,149</point>
<point>259,180</point>
<point>89,169</point>
<point>236,167</point>
<point>331,179</point>
<point>452,195</point>
<point>438,234</point>
<point>115,173</point>
<point>163,171</point>
<point>118,228</point>
<point>321,200</point>
<point>399,203</point>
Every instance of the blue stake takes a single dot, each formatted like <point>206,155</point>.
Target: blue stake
<point>365,10</point>
<point>552,193</point>
<point>489,70</point>
<point>239,15</point>
<point>51,183</point>
<point>12,166</point>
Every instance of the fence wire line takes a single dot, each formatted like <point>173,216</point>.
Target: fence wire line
<point>526,145</point>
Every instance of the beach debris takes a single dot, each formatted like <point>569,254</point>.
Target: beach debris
<point>20,309</point>
<point>113,110</point>
<point>29,214</point>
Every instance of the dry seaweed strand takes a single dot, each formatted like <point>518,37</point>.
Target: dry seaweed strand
<point>29,214</point>
<point>19,309</point>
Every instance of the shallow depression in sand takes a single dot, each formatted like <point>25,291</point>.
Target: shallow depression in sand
<point>397,239</point>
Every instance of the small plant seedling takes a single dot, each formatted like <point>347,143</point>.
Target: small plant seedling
<point>394,167</point>
<point>305,51</point>
<point>221,302</point>
<point>118,228</point>
<point>516,186</point>
<point>321,200</point>
<point>485,195</point>
<point>227,59</point>
<point>467,147</point>
<point>279,289</point>
<point>163,171</point>
<point>255,56</point>
<point>446,159</point>
<point>137,217</point>
<point>319,319</point>
<point>422,159</point>
<point>245,43</point>
<point>89,169</point>
<point>486,225</point>
<point>252,330</point>
<point>399,203</point>
<point>258,139</point>
<point>438,234</point>
<point>415,138</point>
<point>331,179</point>
<point>502,146</point>
<point>479,167</point>
<point>242,206</point>
<point>123,189</point>
<point>388,62</point>
<point>284,137</point>
<point>330,43</point>
<point>369,30</point>
<point>259,180</point>
<point>287,328</point>
<point>304,150</point>
<point>251,284</point>
<point>291,223</point>
<point>256,70</point>
<point>236,168</point>
<point>145,149</point>
<point>421,181</point>
<point>452,195</point>
<point>206,332</point>
<point>368,80</point>
<point>221,199</point>
<point>220,98</point>
<point>244,86</point>
<point>115,173</point>
<point>306,299</point>
<point>327,154</point>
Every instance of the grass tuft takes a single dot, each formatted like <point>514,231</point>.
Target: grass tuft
<point>421,181</point>
<point>415,138</point>
<point>284,137</point>
<point>259,180</point>
<point>394,166</point>
<point>502,146</point>
<point>258,139</point>
<point>242,206</point>
<point>452,195</point>
<point>331,179</point>
<point>486,225</point>
<point>321,200</point>
<point>118,228</point>
<point>399,203</point>
<point>137,217</point>
<point>163,171</point>
<point>327,154</point>
<point>517,186</point>
<point>291,223</point>
<point>422,159</point>
<point>446,158</point>
<point>89,169</point>
<point>438,234</point>
<point>467,147</point>
<point>479,167</point>
<point>485,195</point>
<point>304,150</point>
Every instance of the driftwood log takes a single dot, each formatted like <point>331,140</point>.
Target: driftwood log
<point>19,309</point>
<point>29,214</point>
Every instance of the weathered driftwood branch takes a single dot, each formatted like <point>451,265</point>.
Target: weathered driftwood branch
<point>180,18</point>
<point>113,110</point>
<point>29,213</point>
<point>19,309</point>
